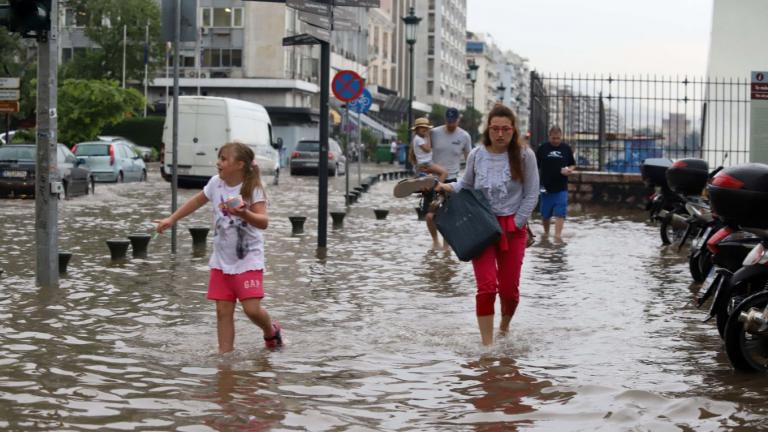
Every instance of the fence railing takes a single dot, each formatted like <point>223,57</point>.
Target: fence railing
<point>615,122</point>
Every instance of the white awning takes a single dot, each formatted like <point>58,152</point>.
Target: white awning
<point>372,124</point>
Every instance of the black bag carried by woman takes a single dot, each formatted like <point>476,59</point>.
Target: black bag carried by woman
<point>467,223</point>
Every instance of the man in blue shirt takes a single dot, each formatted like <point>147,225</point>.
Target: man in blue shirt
<point>556,163</point>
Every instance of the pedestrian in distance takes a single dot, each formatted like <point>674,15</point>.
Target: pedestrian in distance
<point>393,151</point>
<point>504,169</point>
<point>556,163</point>
<point>237,262</point>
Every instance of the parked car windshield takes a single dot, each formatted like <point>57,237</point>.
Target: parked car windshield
<point>17,152</point>
<point>308,146</point>
<point>92,150</point>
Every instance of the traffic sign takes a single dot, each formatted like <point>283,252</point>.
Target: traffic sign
<point>300,39</point>
<point>9,95</point>
<point>317,32</point>
<point>347,85</point>
<point>362,104</point>
<point>344,13</point>
<point>9,106</point>
<point>10,83</point>
<point>322,21</point>
<point>358,3</point>
<point>345,25</point>
<point>309,6</point>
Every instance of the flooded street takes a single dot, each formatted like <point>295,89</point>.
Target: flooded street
<point>380,335</point>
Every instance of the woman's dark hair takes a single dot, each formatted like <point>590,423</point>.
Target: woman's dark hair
<point>516,147</point>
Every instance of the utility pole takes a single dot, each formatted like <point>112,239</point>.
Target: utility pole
<point>47,184</point>
<point>175,132</point>
<point>125,43</point>
<point>146,65</point>
<point>325,88</point>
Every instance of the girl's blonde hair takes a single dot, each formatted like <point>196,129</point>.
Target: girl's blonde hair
<point>252,178</point>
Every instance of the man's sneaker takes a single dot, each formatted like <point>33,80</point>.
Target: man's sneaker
<point>412,185</point>
<point>276,340</point>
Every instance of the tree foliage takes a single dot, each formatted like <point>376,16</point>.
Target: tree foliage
<point>470,122</point>
<point>104,21</point>
<point>86,107</point>
<point>437,116</point>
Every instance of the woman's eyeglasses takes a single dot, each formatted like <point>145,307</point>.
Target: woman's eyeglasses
<point>503,129</point>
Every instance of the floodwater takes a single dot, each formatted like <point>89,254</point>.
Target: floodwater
<point>380,335</point>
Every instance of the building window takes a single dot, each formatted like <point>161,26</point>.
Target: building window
<point>215,57</point>
<point>222,17</point>
<point>430,88</point>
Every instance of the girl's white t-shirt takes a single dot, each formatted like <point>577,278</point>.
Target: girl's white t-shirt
<point>422,156</point>
<point>230,229</point>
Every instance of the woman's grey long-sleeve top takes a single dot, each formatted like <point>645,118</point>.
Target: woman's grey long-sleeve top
<point>490,174</point>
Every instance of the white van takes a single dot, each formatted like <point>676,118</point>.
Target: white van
<point>207,123</point>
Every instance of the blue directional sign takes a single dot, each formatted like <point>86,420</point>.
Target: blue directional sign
<point>363,103</point>
<point>347,85</point>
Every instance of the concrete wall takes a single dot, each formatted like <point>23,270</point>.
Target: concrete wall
<point>615,189</point>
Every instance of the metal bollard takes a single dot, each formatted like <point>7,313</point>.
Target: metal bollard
<point>365,186</point>
<point>359,190</point>
<point>420,214</point>
<point>338,219</point>
<point>381,214</point>
<point>351,198</point>
<point>118,248</point>
<point>64,261</point>
<point>298,224</point>
<point>139,243</point>
<point>199,234</point>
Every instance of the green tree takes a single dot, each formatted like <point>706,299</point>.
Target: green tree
<point>470,122</point>
<point>402,132</point>
<point>370,141</point>
<point>104,21</point>
<point>437,116</point>
<point>86,107</point>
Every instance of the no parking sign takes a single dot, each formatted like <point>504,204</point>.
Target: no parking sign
<point>347,85</point>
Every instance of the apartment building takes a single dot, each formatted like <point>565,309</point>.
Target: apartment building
<point>440,65</point>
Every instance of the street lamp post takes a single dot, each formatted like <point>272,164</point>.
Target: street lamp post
<point>501,89</point>
<point>411,24</point>
<point>472,75</point>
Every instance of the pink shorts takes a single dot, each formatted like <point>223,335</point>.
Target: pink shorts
<point>231,287</point>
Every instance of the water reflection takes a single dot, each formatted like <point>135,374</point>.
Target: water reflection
<point>380,332</point>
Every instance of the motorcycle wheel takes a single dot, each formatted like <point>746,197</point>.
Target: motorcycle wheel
<point>705,263</point>
<point>670,234</point>
<point>747,351</point>
<point>695,268</point>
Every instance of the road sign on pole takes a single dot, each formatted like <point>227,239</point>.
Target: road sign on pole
<point>358,3</point>
<point>9,106</point>
<point>317,32</point>
<point>363,103</point>
<point>347,85</point>
<point>322,21</point>
<point>10,83</point>
<point>9,95</point>
<point>310,6</point>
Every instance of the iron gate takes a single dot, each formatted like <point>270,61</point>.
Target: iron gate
<point>613,123</point>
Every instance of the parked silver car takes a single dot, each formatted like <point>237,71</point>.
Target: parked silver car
<point>306,157</point>
<point>144,152</point>
<point>113,161</point>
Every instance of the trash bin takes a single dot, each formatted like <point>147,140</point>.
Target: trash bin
<point>382,153</point>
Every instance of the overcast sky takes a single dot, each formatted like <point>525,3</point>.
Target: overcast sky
<point>617,36</point>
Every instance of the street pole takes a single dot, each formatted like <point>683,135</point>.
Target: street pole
<point>346,152</point>
<point>125,40</point>
<point>408,165</point>
<point>47,183</point>
<point>146,66</point>
<point>175,132</point>
<point>7,128</point>
<point>167,73</point>
<point>359,148</point>
<point>325,88</point>
<point>474,128</point>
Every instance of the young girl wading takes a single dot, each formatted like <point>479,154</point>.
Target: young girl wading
<point>237,262</point>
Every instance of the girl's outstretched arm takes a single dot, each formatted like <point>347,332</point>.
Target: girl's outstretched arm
<point>194,203</point>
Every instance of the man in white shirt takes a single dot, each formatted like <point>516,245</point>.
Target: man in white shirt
<point>392,151</point>
<point>449,144</point>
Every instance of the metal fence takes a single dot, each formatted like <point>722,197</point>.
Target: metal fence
<point>615,122</point>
